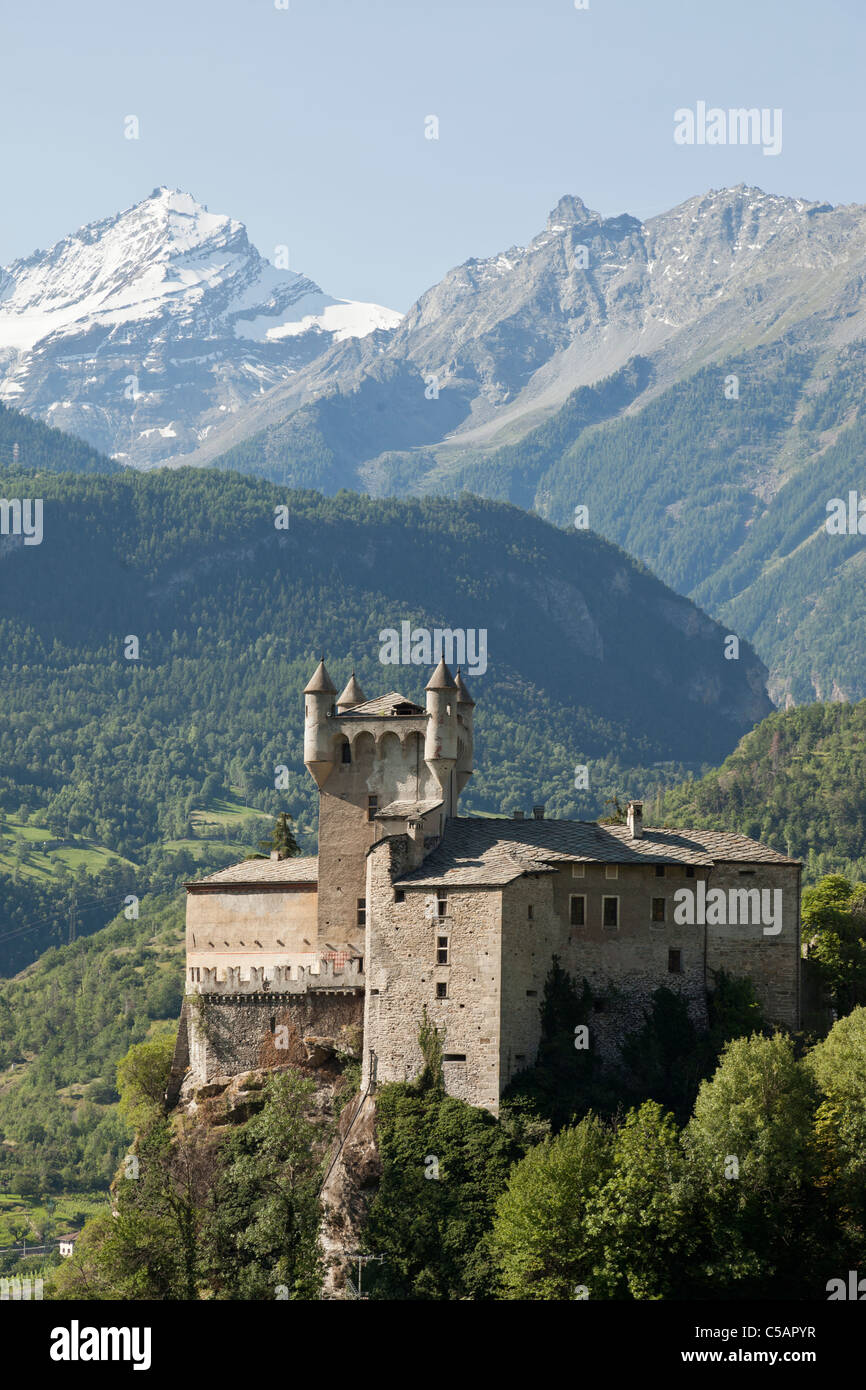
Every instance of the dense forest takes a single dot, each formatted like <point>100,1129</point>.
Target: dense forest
<point>796,782</point>
<point>154,647</point>
<point>30,444</point>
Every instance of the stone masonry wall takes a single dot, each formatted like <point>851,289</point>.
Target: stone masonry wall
<point>771,962</point>
<point>229,1034</point>
<point>402,942</point>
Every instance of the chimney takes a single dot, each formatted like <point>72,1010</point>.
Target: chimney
<point>538,812</point>
<point>518,815</point>
<point>634,819</point>
<point>275,854</point>
<point>415,837</point>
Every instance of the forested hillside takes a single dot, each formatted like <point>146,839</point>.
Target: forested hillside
<point>120,753</point>
<point>40,446</point>
<point>796,782</point>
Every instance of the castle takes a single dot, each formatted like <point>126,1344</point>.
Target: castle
<point>411,906</point>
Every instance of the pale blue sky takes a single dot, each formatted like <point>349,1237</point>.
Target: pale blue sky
<point>308,123</point>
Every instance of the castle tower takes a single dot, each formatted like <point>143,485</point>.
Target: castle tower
<point>465,734</point>
<point>352,695</point>
<point>383,767</point>
<point>440,742</point>
<point>318,740</point>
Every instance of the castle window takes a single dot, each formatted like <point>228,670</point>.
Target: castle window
<point>658,913</point>
<point>529,911</point>
<point>362,912</point>
<point>747,873</point>
<point>273,1023</point>
<point>610,912</point>
<point>578,871</point>
<point>441,990</point>
<point>442,950</point>
<point>346,752</point>
<point>675,962</point>
<point>577,909</point>
<point>611,871</point>
<point>532,993</point>
<point>441,904</point>
<point>660,870</point>
<point>454,1057</point>
<point>372,806</point>
<point>690,871</point>
<point>399,895</point>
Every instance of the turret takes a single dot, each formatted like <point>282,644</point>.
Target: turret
<point>318,735</point>
<point>440,743</point>
<point>465,733</point>
<point>351,696</point>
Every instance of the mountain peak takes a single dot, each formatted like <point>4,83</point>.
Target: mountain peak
<point>571,211</point>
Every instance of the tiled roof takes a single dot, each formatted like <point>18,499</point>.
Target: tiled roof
<point>481,850</point>
<point>383,704</point>
<point>297,870</point>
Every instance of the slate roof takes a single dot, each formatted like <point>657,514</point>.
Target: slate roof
<point>383,704</point>
<point>492,851</point>
<point>409,808</point>
<point>296,870</point>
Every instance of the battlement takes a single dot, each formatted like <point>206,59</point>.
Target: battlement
<point>281,979</point>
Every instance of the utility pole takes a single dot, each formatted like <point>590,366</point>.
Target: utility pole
<point>72,922</point>
<point>363,1260</point>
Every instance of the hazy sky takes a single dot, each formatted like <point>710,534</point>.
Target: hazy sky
<point>307,123</point>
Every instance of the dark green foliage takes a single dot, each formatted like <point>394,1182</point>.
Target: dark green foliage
<point>834,928</point>
<point>41,447</point>
<point>281,838</point>
<point>261,1228</point>
<point>443,1165</point>
<point>230,614</point>
<point>797,782</point>
<point>66,1024</point>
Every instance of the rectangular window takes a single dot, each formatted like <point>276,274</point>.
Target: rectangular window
<point>578,909</point>
<point>675,962</point>
<point>578,871</point>
<point>347,753</point>
<point>441,990</point>
<point>611,871</point>
<point>454,1057</point>
<point>658,914</point>
<point>529,911</point>
<point>610,912</point>
<point>399,895</point>
<point>660,870</point>
<point>442,950</point>
<point>362,912</point>
<point>372,806</point>
<point>441,905</point>
<point>690,871</point>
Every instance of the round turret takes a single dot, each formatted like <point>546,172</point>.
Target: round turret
<point>318,735</point>
<point>440,743</point>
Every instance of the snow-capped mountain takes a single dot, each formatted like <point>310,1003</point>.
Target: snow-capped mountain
<point>142,331</point>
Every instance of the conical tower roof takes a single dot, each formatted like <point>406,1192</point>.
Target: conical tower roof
<point>321,682</point>
<point>352,695</point>
<point>441,678</point>
<point>463,696</point>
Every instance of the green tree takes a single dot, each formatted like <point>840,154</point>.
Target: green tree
<point>752,1169</point>
<point>541,1245</point>
<point>834,925</point>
